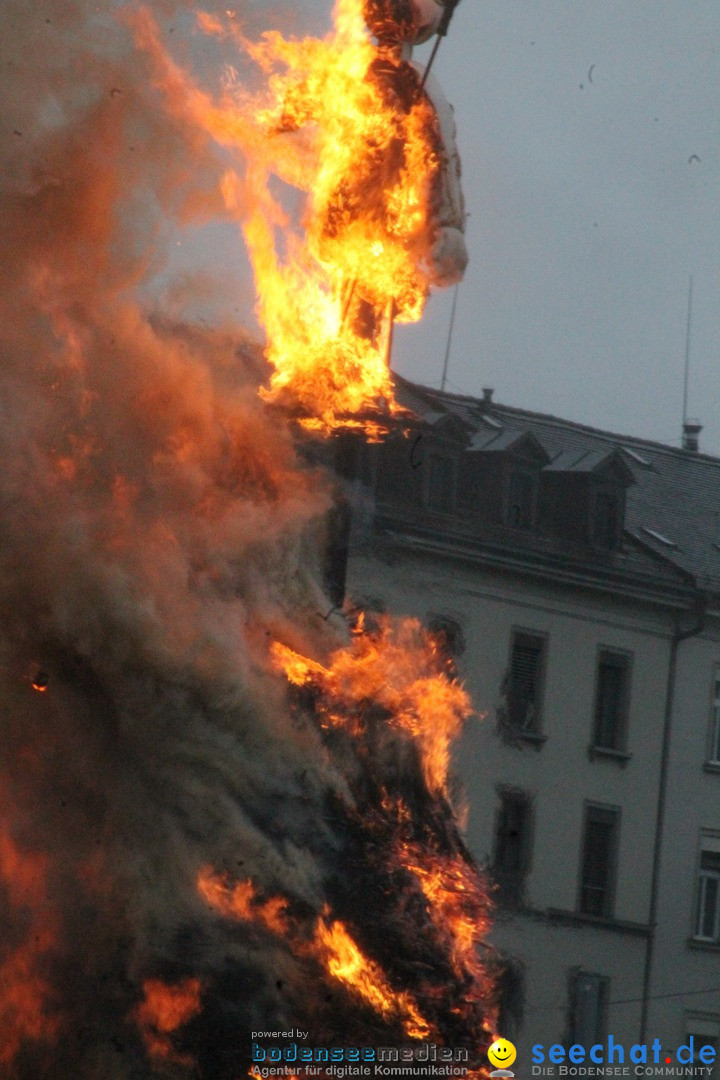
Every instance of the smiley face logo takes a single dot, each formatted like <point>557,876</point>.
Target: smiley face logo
<point>502,1053</point>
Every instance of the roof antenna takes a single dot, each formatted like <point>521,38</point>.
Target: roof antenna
<point>690,428</point>
<point>449,339</point>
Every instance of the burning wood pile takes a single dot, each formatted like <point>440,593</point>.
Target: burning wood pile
<point>222,812</point>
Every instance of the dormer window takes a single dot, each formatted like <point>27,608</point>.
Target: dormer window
<point>505,477</point>
<point>607,515</point>
<point>440,482</point>
<point>583,497</point>
<point>521,498</point>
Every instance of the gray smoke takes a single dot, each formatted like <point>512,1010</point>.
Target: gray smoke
<point>157,530</point>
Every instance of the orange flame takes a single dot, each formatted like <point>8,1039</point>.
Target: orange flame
<point>25,994</point>
<point>240,901</point>
<point>163,1011</point>
<point>400,668</point>
<point>345,962</point>
<point>331,944</point>
<point>348,125</point>
<point>459,909</point>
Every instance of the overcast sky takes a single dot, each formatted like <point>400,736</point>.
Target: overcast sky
<point>580,125</point>
<point>590,137</point>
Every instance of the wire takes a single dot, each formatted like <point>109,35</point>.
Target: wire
<point>635,1001</point>
<point>442,30</point>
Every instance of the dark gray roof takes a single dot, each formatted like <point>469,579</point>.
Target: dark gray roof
<point>673,507</point>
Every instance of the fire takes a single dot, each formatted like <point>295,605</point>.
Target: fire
<point>160,530</point>
<point>458,906</point>
<point>330,943</point>
<point>345,962</point>
<point>348,125</point>
<point>27,1011</point>
<point>164,1010</point>
<point>398,667</point>
<point>240,901</point>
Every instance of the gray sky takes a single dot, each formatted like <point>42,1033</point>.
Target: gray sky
<point>590,137</point>
<point>577,121</point>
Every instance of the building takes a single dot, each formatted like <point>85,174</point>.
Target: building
<point>575,575</point>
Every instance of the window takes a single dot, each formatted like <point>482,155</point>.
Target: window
<point>440,483</point>
<point>524,682</point>
<point>606,520</point>
<point>448,632</point>
<point>508,980</point>
<point>521,500</point>
<point>599,851</point>
<point>707,920</point>
<point>704,1030</point>
<point>611,700</point>
<point>587,1011</point>
<point>715,725</point>
<point>512,844</point>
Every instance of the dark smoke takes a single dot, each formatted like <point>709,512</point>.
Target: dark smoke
<point>158,529</point>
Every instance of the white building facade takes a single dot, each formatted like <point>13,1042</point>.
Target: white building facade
<point>572,574</point>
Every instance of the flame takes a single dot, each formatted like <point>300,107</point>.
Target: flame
<point>331,944</point>
<point>240,901</point>
<point>348,125</point>
<point>458,907</point>
<point>399,667</point>
<point>26,1007</point>
<point>163,1011</point>
<point>344,960</point>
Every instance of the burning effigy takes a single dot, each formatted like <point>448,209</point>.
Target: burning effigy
<point>222,812</point>
<point>370,141</point>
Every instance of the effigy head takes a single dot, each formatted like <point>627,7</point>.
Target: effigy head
<point>403,21</point>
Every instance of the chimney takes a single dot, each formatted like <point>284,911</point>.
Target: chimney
<point>486,403</point>
<point>691,435</point>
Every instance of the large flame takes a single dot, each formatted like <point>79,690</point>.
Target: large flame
<point>398,667</point>
<point>329,942</point>
<point>349,126</point>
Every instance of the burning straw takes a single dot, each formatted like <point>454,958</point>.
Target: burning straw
<point>192,846</point>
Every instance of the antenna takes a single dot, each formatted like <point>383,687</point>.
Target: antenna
<point>449,340</point>
<point>690,428</point>
<point>687,352</point>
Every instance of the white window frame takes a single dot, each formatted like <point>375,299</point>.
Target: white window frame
<point>705,1030</point>
<point>709,844</point>
<point>589,995</point>
<point>714,755</point>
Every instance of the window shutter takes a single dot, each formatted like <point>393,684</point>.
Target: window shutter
<point>525,681</point>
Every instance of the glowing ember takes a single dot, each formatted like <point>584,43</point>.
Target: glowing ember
<point>39,680</point>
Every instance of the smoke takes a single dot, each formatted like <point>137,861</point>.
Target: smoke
<point>157,532</point>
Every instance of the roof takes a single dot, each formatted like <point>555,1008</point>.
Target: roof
<point>673,505</point>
